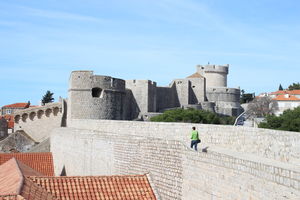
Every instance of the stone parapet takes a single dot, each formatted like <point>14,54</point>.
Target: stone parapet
<point>177,171</point>
<point>39,121</point>
<point>278,145</point>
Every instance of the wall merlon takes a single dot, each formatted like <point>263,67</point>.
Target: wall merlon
<point>213,68</point>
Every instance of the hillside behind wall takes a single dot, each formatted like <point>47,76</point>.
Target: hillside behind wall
<point>102,147</point>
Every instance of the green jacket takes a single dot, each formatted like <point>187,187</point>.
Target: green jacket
<point>195,135</point>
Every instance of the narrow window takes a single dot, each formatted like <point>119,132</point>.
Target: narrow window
<point>96,92</point>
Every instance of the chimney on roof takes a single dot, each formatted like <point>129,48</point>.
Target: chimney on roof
<point>28,104</point>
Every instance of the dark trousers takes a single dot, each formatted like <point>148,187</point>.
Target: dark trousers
<point>194,144</point>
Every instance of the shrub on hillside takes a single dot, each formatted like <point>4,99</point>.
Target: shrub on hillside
<point>288,121</point>
<point>192,116</point>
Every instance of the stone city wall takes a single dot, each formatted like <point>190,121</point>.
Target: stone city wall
<point>283,146</point>
<point>38,122</point>
<point>176,171</point>
<point>95,97</point>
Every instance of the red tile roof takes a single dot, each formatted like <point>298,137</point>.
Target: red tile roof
<point>14,183</point>
<point>286,98</point>
<point>11,197</point>
<point>19,181</point>
<point>41,162</point>
<point>280,92</point>
<point>195,75</point>
<point>17,105</point>
<point>11,178</point>
<point>131,187</point>
<point>31,190</point>
<point>294,92</point>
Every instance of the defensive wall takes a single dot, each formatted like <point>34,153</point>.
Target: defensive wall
<point>38,122</point>
<point>95,97</point>
<point>240,163</point>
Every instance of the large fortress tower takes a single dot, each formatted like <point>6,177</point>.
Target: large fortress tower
<point>216,75</point>
<point>95,97</point>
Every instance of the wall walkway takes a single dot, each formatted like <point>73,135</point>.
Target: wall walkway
<point>99,147</point>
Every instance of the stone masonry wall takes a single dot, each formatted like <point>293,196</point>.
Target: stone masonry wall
<point>176,171</point>
<point>278,145</point>
<point>38,122</point>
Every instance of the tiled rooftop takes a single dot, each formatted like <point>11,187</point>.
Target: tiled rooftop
<point>20,182</point>
<point>41,162</point>
<point>292,92</point>
<point>286,98</point>
<point>195,75</point>
<point>11,197</point>
<point>11,178</point>
<point>17,105</point>
<point>134,187</point>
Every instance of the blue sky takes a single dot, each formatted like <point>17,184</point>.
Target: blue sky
<point>43,41</point>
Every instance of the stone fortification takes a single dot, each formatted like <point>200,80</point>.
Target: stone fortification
<point>246,164</point>
<point>282,146</point>
<point>226,100</point>
<point>104,97</point>
<point>39,121</point>
<point>216,75</point>
<point>95,97</point>
<point>143,96</point>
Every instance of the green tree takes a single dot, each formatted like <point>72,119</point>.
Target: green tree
<point>246,97</point>
<point>288,121</point>
<point>193,116</point>
<point>294,86</point>
<point>280,87</point>
<point>47,98</point>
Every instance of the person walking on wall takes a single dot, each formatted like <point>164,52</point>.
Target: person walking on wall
<point>195,138</point>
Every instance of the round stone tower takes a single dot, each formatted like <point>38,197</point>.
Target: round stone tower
<point>216,75</point>
<point>95,97</point>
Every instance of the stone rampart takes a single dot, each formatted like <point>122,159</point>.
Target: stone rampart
<point>95,97</point>
<point>177,171</point>
<point>278,145</point>
<point>39,121</point>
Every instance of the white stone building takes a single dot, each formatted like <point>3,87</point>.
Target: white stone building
<point>286,100</point>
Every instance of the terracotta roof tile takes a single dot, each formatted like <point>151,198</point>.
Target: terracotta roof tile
<point>279,92</point>
<point>11,197</point>
<point>294,92</point>
<point>98,187</point>
<point>41,162</point>
<point>33,191</point>
<point>14,183</point>
<point>17,105</point>
<point>195,75</point>
<point>284,98</point>
<point>18,182</point>
<point>11,179</point>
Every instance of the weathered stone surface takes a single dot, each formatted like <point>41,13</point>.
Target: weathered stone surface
<point>18,141</point>
<point>38,122</point>
<point>236,165</point>
<point>3,128</point>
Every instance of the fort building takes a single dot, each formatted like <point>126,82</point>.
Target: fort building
<point>104,97</point>
<point>89,136</point>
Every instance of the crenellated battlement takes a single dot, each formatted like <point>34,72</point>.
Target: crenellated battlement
<point>212,68</point>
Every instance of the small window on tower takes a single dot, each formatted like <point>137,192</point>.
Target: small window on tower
<point>96,92</point>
